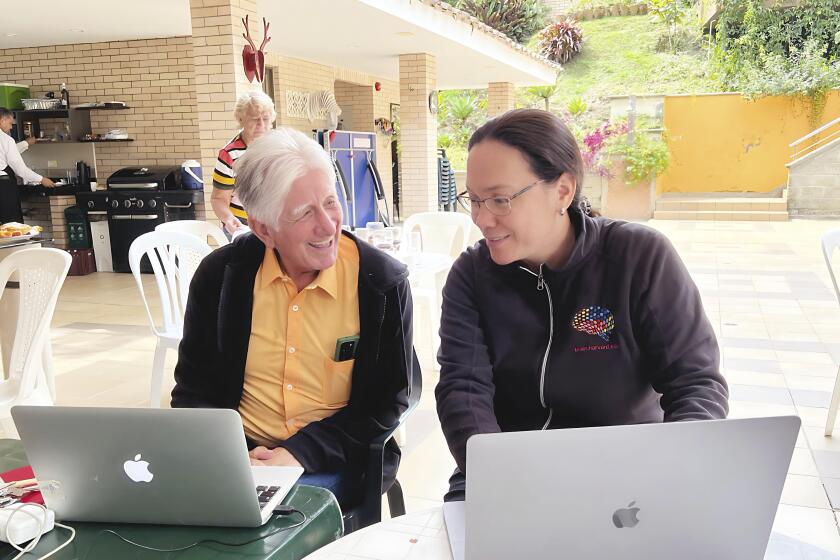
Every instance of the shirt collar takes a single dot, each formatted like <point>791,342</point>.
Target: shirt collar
<point>271,270</point>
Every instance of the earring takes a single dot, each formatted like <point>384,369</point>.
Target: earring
<point>562,211</point>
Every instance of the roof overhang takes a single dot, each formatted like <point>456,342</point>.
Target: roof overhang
<point>362,35</point>
<point>369,36</point>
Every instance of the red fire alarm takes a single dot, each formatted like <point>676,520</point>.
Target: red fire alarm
<point>377,86</point>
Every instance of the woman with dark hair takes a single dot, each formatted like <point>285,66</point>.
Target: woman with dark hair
<point>557,319</point>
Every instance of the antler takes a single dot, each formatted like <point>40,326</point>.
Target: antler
<point>247,33</point>
<point>266,38</point>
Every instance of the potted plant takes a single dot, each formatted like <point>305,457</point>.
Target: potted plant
<point>635,163</point>
<point>597,162</point>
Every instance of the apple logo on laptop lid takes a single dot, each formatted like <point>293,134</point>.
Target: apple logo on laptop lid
<point>137,470</point>
<point>626,517</point>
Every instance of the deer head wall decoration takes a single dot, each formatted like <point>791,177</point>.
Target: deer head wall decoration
<point>253,58</point>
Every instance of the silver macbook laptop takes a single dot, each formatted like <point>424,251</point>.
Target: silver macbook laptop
<point>687,490</point>
<point>145,465</point>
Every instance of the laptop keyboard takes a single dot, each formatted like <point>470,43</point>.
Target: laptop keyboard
<point>265,493</point>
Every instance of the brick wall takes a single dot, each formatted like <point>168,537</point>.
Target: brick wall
<point>501,97</point>
<point>217,43</point>
<point>48,212</point>
<point>353,90</point>
<point>162,79</point>
<point>360,101</point>
<point>418,174</point>
<point>154,77</point>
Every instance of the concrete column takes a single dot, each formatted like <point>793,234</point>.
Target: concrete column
<point>418,134</point>
<point>500,98</point>
<point>219,76</point>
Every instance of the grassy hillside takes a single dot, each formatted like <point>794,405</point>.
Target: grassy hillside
<point>619,57</point>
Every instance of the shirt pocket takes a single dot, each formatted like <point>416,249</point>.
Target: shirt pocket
<point>338,377</point>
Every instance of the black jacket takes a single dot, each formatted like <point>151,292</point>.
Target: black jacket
<point>618,335</point>
<point>217,328</point>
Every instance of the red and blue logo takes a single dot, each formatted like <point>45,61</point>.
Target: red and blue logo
<point>594,320</point>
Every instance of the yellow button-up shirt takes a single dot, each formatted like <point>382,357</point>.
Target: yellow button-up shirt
<point>291,377</point>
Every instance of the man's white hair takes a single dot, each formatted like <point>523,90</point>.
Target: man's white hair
<point>255,101</point>
<point>267,169</point>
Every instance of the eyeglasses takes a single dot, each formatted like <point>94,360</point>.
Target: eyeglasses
<point>496,205</point>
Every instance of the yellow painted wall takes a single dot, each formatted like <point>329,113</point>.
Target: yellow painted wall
<point>724,142</point>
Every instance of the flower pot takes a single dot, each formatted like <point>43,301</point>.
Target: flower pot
<point>627,202</point>
<point>595,190</point>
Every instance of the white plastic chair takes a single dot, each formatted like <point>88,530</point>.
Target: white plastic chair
<point>440,232</point>
<point>174,257</point>
<point>830,242</point>
<point>446,233</point>
<point>198,228</point>
<point>40,275</point>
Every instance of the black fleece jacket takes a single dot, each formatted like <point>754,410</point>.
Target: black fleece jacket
<point>617,336</point>
<point>217,328</point>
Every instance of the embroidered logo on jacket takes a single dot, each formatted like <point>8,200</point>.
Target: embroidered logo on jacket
<point>594,320</point>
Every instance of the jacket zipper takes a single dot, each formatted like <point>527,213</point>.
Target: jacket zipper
<point>541,285</point>
<point>381,323</point>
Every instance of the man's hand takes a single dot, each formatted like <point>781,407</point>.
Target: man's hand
<point>30,140</point>
<point>45,181</point>
<point>277,457</point>
<point>232,224</point>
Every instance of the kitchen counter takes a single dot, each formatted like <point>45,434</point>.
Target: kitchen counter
<point>40,190</point>
<point>13,242</point>
<point>46,209</point>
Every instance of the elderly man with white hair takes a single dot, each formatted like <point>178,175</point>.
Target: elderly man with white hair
<point>299,326</point>
<point>254,111</point>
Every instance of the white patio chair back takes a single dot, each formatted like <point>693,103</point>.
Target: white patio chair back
<point>440,232</point>
<point>198,228</point>
<point>174,257</point>
<point>830,243</point>
<point>40,276</point>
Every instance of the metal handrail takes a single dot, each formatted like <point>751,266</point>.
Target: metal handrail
<point>799,152</point>
<point>813,132</point>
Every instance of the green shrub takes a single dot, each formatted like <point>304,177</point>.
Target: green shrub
<point>561,41</point>
<point>761,51</point>
<point>644,157</point>
<point>682,39</point>
<point>518,19</point>
<point>577,106</point>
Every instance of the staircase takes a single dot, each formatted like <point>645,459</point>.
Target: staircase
<point>721,207</point>
<point>814,173</point>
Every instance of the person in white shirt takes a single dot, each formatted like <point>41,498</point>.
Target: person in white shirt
<point>12,167</point>
<point>23,145</point>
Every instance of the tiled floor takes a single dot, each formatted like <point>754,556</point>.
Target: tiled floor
<point>766,291</point>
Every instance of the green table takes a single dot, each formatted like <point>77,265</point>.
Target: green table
<point>323,526</point>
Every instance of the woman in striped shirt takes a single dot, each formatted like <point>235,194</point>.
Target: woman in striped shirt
<point>255,112</point>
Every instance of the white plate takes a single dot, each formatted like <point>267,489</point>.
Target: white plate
<point>17,238</point>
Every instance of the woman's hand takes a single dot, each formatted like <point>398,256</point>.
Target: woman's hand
<point>277,457</point>
<point>232,224</point>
